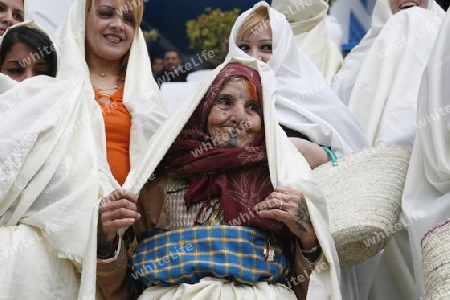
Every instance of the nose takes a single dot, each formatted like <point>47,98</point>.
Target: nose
<point>7,17</point>
<point>117,23</point>
<point>253,52</point>
<point>237,115</point>
<point>27,73</point>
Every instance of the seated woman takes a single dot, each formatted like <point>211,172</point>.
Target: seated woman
<point>26,51</point>
<point>307,108</point>
<point>224,216</point>
<point>11,12</point>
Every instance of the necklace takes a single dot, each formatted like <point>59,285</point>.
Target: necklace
<point>106,74</point>
<point>116,87</point>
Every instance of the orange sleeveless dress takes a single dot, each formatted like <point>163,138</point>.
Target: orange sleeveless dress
<point>117,125</point>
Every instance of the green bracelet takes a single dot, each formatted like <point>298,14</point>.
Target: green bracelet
<point>331,155</point>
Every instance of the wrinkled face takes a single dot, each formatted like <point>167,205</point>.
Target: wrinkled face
<point>157,66</point>
<point>172,60</point>
<point>109,30</point>
<point>259,43</point>
<point>235,118</point>
<point>11,12</point>
<point>397,5</point>
<point>20,65</point>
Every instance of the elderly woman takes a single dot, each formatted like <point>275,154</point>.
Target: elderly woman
<point>306,106</point>
<point>224,210</point>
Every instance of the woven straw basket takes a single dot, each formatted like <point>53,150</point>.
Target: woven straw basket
<point>363,196</point>
<point>436,262</point>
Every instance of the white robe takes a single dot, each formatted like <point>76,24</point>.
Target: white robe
<point>427,188</point>
<point>49,183</point>
<point>345,79</point>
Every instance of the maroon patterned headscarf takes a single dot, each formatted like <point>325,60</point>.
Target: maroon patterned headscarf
<point>238,176</point>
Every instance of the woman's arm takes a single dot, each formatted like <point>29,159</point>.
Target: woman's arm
<point>313,153</point>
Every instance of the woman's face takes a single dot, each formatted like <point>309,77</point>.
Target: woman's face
<point>19,64</point>
<point>11,12</point>
<point>109,30</point>
<point>259,43</point>
<point>397,5</point>
<point>235,117</point>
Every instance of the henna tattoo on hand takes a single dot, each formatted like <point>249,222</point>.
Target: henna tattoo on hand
<point>303,216</point>
<point>105,249</point>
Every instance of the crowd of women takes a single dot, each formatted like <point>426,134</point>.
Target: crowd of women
<point>105,196</point>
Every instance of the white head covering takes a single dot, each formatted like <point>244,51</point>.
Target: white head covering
<point>346,77</point>
<point>287,167</point>
<point>141,95</point>
<point>305,102</point>
<point>309,26</point>
<point>427,187</point>
<point>49,183</point>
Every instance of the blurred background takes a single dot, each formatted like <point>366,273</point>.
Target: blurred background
<point>165,23</point>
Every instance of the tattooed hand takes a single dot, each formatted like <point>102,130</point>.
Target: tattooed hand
<point>116,210</point>
<point>288,205</point>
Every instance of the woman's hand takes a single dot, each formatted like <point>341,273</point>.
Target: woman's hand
<point>116,210</point>
<point>288,205</point>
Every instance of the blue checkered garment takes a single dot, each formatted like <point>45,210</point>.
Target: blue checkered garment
<point>235,253</point>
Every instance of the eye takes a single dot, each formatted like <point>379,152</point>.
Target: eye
<point>266,48</point>
<point>42,72</point>
<point>254,108</point>
<point>128,19</point>
<point>105,13</point>
<point>224,103</point>
<point>18,17</point>
<point>15,70</point>
<point>244,48</point>
<point>2,7</point>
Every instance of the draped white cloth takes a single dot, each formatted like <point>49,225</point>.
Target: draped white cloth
<point>304,101</point>
<point>309,25</point>
<point>345,79</point>
<point>427,188</point>
<point>384,97</point>
<point>54,169</point>
<point>287,167</point>
<point>387,68</point>
<point>49,183</point>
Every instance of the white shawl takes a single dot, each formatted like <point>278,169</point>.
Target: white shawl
<point>48,189</point>
<point>308,23</point>
<point>141,95</point>
<point>287,167</point>
<point>304,102</point>
<point>345,79</point>
<point>427,188</point>
<point>384,97</point>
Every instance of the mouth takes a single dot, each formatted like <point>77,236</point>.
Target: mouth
<point>113,38</point>
<point>2,31</point>
<point>408,4</point>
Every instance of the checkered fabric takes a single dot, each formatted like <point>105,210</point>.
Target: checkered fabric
<point>187,255</point>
